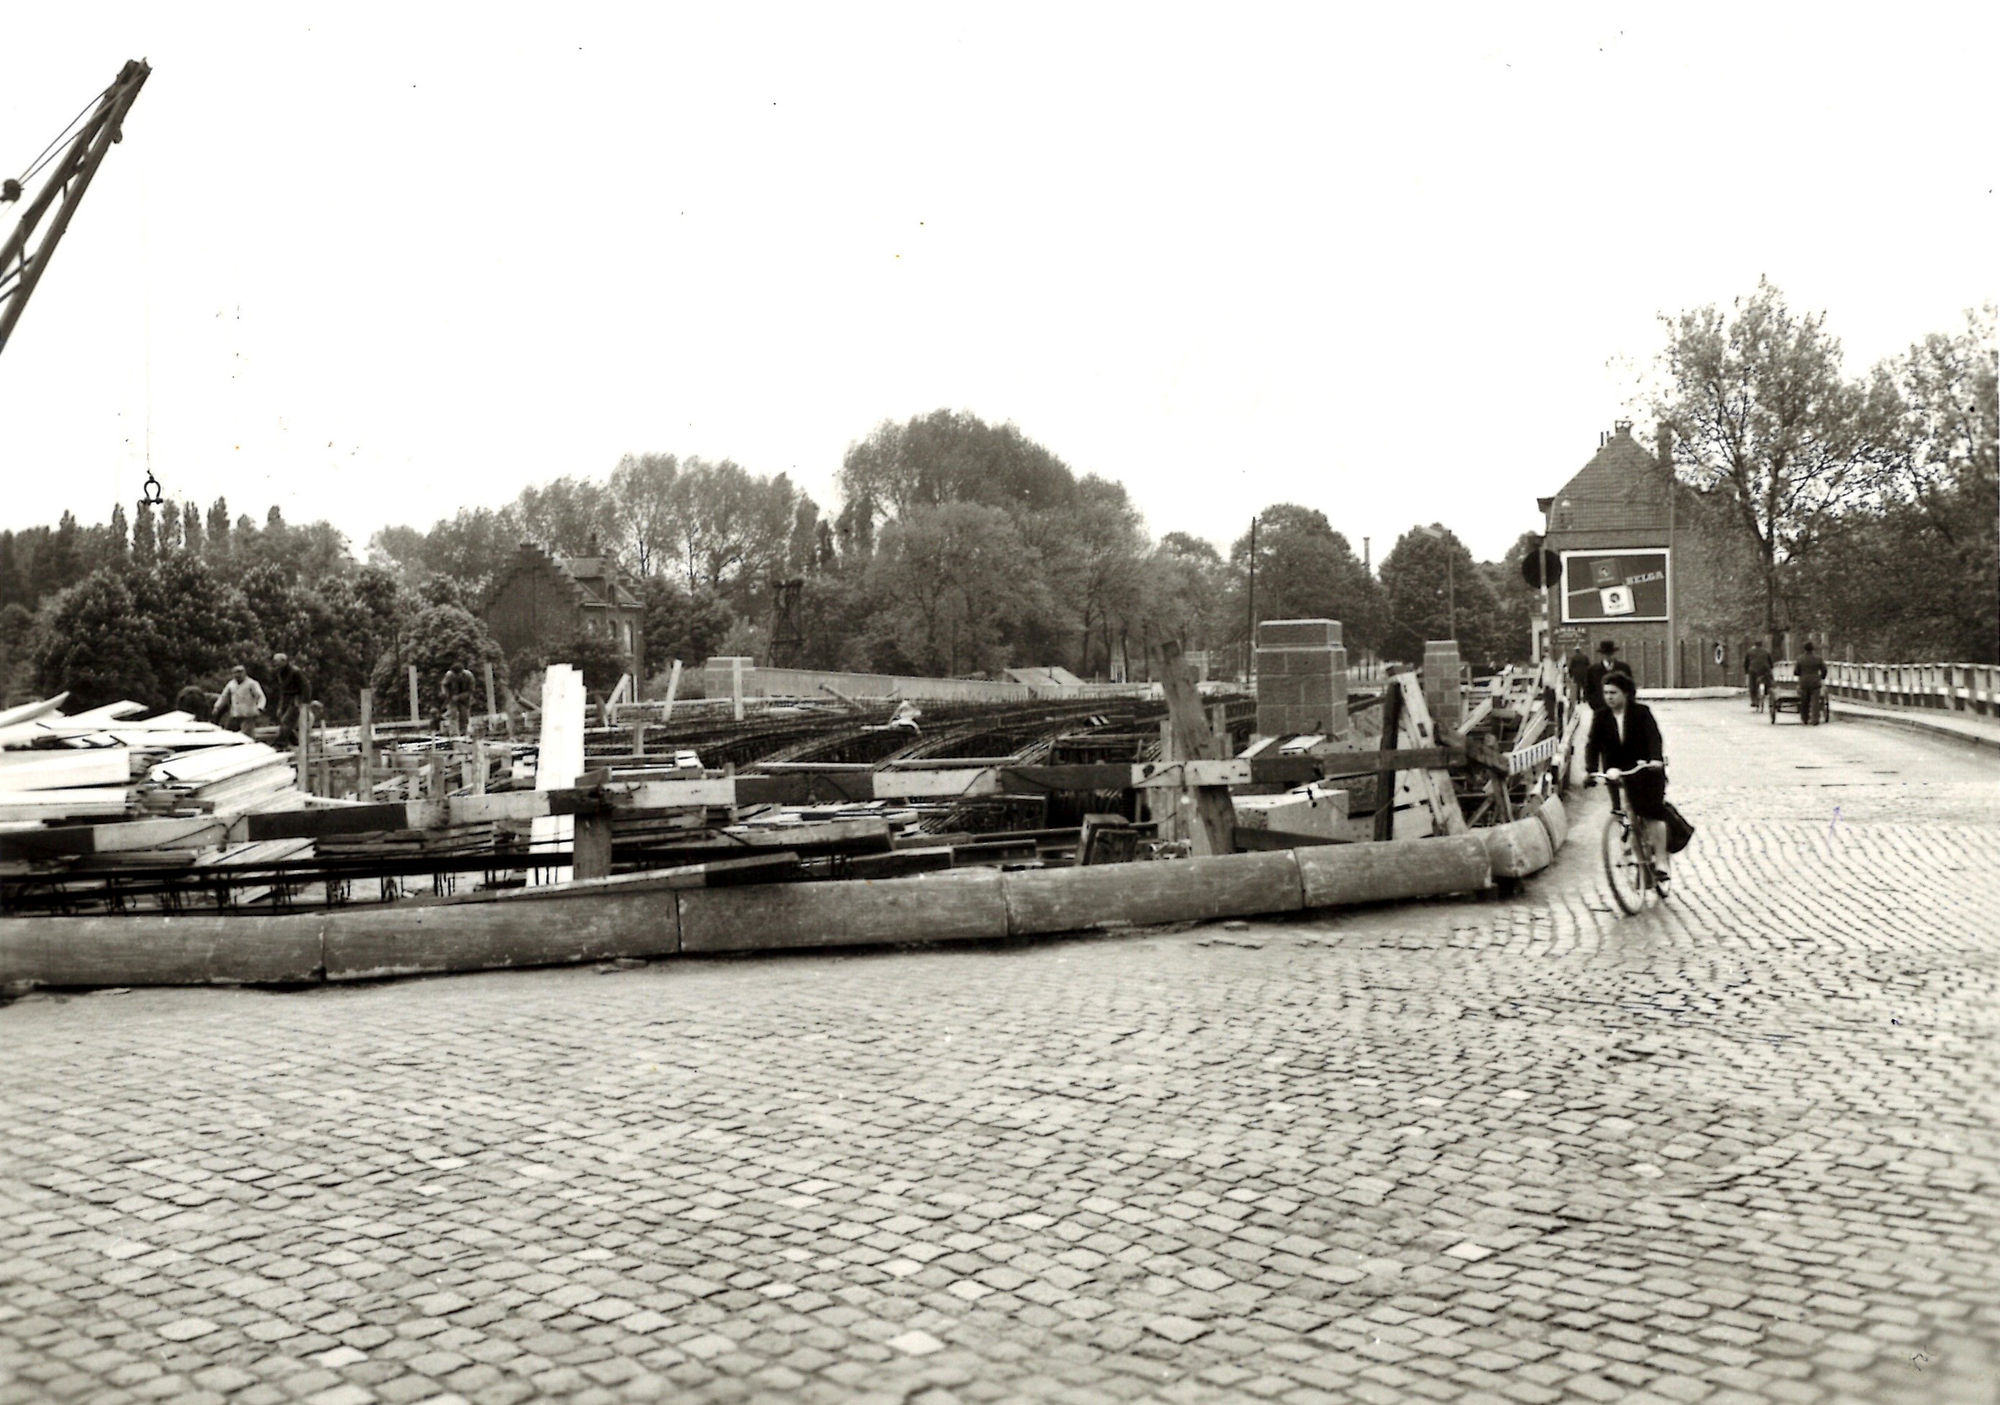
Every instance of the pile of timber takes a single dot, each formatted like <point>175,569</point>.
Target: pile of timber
<point>97,804</point>
<point>109,763</point>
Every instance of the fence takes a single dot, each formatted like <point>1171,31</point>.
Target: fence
<point>1947,687</point>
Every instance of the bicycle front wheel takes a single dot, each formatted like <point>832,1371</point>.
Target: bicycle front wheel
<point>1624,870</point>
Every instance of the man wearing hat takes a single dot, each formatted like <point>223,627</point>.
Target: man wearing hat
<point>1607,663</point>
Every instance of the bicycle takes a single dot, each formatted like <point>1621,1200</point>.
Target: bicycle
<point>1628,856</point>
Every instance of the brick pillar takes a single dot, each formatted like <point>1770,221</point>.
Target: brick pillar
<point>1301,678</point>
<point>1441,695</point>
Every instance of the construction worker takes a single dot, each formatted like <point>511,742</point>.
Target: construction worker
<point>457,691</point>
<point>293,692</point>
<point>242,699</point>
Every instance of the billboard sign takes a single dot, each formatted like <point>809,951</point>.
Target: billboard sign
<point>1627,586</point>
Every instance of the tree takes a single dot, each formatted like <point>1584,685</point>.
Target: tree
<point>191,532</point>
<point>1434,590</point>
<point>435,639</point>
<point>195,622</point>
<point>218,528</point>
<point>733,526</point>
<point>679,623</point>
<point>949,456</point>
<point>951,582</point>
<point>571,517</point>
<point>1306,570</point>
<point>145,544</point>
<point>1756,406</point>
<point>84,643</point>
<point>642,492</point>
<point>118,538</point>
<point>1090,552</point>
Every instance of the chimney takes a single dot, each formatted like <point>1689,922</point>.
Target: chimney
<point>1623,428</point>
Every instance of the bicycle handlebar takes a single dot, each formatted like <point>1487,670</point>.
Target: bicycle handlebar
<point>1616,775</point>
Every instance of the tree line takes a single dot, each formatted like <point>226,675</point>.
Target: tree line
<point>1863,509</point>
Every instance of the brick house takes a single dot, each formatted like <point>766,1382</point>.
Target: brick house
<point>540,599</point>
<point>1650,573</point>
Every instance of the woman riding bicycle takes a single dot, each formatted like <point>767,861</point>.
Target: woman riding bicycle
<point>1622,735</point>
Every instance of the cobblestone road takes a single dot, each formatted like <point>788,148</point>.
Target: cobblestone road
<point>1516,1150</point>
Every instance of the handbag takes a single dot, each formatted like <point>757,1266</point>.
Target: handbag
<point>1679,830</point>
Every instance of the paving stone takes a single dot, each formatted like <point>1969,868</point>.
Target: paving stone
<point>1450,1151</point>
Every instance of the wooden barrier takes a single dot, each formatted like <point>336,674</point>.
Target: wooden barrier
<point>1138,894</point>
<point>1555,820</point>
<point>1337,875</point>
<point>185,949</point>
<point>543,927</point>
<point>961,906</point>
<point>1518,848</point>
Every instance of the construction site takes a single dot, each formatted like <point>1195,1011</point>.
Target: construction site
<point>162,847</point>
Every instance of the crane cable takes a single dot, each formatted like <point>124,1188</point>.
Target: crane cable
<point>47,153</point>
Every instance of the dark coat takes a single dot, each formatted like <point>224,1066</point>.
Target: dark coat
<point>1593,685</point>
<point>1606,750</point>
<point>1811,671</point>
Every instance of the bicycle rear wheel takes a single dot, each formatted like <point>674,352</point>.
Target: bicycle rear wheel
<point>1630,878</point>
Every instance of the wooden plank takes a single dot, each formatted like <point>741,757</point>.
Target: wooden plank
<point>28,771</point>
<point>1254,841</point>
<point>111,712</point>
<point>560,758</point>
<point>93,803</point>
<point>129,836</point>
<point>1211,818</point>
<point>961,905</point>
<point>28,712</point>
<point>901,863</point>
<point>1386,784</point>
<point>1140,894</point>
<point>591,848</point>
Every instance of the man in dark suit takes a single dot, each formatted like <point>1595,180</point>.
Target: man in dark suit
<point>1812,678</point>
<point>1622,734</point>
<point>1607,664</point>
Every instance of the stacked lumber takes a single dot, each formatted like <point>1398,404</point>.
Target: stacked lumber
<point>112,769</point>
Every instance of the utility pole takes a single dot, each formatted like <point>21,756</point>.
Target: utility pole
<point>1250,625</point>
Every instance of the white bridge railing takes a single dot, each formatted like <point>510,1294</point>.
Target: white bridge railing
<point>1950,687</point>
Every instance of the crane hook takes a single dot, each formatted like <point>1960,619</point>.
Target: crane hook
<point>150,493</point>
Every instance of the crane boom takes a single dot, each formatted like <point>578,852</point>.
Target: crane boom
<point>68,178</point>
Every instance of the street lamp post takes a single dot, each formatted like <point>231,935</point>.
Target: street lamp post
<point>1450,580</point>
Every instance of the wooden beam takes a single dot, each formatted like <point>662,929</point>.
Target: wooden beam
<point>1211,818</point>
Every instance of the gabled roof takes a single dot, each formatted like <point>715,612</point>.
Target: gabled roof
<point>1621,487</point>
<point>593,578</point>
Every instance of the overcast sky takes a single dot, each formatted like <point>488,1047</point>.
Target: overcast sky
<point>377,262</point>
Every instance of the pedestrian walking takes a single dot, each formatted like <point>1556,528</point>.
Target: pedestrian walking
<point>1607,664</point>
<point>1812,678</point>
<point>1549,684</point>
<point>457,691</point>
<point>1579,676</point>
<point>1757,666</point>
<point>242,699</point>
<point>292,693</point>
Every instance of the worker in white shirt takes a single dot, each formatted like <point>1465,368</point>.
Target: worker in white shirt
<point>242,699</point>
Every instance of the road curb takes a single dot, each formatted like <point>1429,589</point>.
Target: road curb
<point>1916,722</point>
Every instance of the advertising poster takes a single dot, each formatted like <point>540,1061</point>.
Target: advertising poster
<point>1620,585</point>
